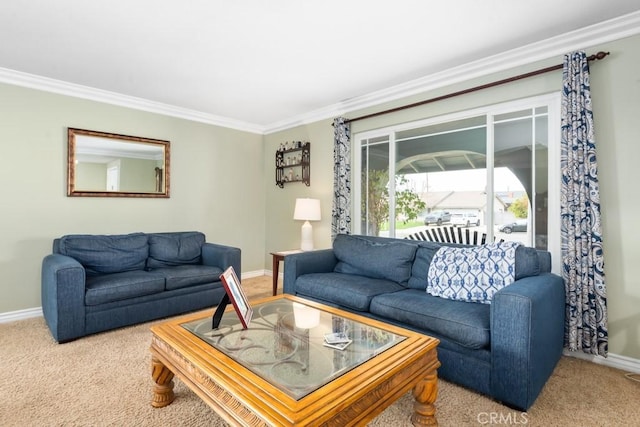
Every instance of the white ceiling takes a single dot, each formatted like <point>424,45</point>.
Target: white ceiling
<point>264,64</point>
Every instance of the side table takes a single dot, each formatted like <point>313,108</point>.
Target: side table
<point>277,257</point>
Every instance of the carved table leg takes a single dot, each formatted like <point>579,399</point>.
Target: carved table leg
<point>425,393</point>
<point>163,387</point>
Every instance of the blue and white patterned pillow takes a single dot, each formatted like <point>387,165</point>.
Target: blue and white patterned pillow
<point>472,274</point>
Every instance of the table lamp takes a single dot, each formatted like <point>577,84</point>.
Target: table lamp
<point>307,210</point>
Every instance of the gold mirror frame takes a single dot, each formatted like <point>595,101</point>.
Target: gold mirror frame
<point>131,166</point>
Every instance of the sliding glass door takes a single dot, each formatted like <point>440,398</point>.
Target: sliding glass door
<point>486,170</point>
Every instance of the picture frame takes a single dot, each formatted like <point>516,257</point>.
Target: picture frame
<point>237,296</point>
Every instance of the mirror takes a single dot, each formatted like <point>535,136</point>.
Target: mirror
<point>101,164</point>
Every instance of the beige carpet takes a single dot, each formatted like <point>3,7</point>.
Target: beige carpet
<point>104,380</point>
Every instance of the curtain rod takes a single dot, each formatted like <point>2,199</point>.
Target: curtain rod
<point>594,57</point>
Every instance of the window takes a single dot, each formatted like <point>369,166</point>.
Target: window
<point>486,169</point>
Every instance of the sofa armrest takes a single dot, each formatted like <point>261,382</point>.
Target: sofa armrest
<point>295,265</point>
<point>222,256</point>
<point>527,335</point>
<point>62,292</point>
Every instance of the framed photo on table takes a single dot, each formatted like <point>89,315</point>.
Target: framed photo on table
<point>236,295</point>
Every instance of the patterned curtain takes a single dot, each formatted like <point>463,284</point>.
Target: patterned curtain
<point>582,254</point>
<point>341,211</point>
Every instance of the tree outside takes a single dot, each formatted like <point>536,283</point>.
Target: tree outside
<point>376,205</point>
<point>520,207</point>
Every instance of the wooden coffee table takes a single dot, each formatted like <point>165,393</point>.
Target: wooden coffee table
<point>279,372</point>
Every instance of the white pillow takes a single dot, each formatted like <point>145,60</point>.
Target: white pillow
<point>472,274</point>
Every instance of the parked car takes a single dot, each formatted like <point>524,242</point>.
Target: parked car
<point>437,217</point>
<point>519,225</point>
<point>465,219</point>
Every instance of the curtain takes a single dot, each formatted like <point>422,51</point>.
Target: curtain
<point>581,230</point>
<point>341,211</point>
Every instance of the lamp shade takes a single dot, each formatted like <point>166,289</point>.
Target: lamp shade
<point>307,210</point>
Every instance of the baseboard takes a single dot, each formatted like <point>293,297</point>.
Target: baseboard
<point>251,274</point>
<point>617,361</point>
<point>270,273</point>
<point>28,313</point>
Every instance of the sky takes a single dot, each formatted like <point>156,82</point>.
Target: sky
<point>467,180</point>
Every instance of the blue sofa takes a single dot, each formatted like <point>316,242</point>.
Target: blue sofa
<point>93,283</point>
<point>505,348</point>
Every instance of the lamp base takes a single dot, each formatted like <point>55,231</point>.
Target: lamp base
<point>306,237</point>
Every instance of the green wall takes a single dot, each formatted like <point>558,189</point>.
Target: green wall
<point>283,232</point>
<point>616,94</point>
<point>215,185</point>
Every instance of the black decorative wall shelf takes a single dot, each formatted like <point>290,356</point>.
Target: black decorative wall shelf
<point>293,163</point>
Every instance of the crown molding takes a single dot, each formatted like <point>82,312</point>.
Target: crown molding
<point>581,39</point>
<point>607,31</point>
<point>47,84</point>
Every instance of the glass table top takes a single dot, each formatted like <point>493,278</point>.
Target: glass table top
<point>285,344</point>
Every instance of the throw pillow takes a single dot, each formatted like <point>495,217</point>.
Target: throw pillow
<point>105,254</point>
<point>420,267</point>
<point>177,248</point>
<point>472,274</point>
<point>376,259</point>
<point>527,263</point>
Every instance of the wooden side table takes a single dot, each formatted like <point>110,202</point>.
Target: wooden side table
<point>277,257</point>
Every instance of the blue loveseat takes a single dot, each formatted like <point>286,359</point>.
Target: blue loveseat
<point>506,347</point>
<point>93,283</point>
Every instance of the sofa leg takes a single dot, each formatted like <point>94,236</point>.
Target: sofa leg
<point>425,394</point>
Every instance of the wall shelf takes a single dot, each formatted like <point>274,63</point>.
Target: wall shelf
<point>293,163</point>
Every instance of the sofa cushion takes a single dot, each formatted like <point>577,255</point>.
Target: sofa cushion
<point>463,323</point>
<point>472,274</point>
<point>169,249</point>
<point>120,286</point>
<point>363,257</point>
<point>420,267</point>
<point>527,262</point>
<point>348,290</point>
<point>182,276</point>
<point>105,254</point>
